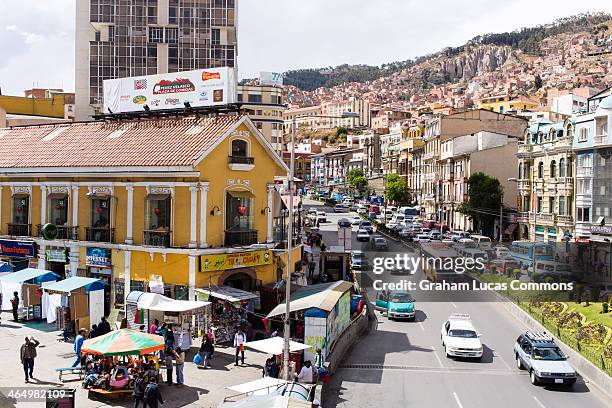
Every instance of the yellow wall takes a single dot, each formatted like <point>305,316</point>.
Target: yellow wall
<point>52,107</point>
<point>175,270</point>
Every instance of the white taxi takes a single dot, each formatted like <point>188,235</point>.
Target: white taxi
<point>459,338</point>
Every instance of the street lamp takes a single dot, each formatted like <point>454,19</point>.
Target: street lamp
<point>290,232</point>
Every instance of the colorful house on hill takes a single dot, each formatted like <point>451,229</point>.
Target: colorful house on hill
<point>177,203</point>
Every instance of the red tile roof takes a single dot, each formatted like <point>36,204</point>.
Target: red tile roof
<point>140,143</point>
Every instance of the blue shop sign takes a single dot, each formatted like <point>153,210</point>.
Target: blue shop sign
<point>18,249</point>
<point>100,257</point>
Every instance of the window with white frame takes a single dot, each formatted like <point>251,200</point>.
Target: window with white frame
<point>583,135</point>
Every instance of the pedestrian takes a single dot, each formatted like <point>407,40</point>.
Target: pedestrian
<point>103,326</point>
<point>0,307</point>
<point>154,326</point>
<point>169,338</point>
<point>207,349</point>
<point>239,340</point>
<point>274,369</point>
<point>311,267</point>
<point>306,374</point>
<point>180,365</point>
<point>28,354</point>
<point>94,331</point>
<point>152,395</point>
<point>15,305</point>
<point>138,392</point>
<point>169,364</point>
<point>78,343</point>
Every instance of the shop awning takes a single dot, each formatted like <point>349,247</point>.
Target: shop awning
<point>264,383</point>
<point>228,293</point>
<point>241,194</point>
<point>75,282</point>
<point>161,303</point>
<point>267,401</point>
<point>323,296</point>
<point>275,345</point>
<point>29,274</point>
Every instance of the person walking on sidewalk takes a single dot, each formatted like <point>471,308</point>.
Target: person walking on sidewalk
<point>169,365</point>
<point>152,395</point>
<point>207,349</point>
<point>78,343</point>
<point>239,340</point>
<point>180,365</point>
<point>15,305</point>
<point>138,392</point>
<point>103,326</point>
<point>28,354</point>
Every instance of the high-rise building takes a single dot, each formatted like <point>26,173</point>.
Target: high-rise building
<point>123,38</point>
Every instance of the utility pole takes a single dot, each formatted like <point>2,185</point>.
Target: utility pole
<point>501,214</point>
<point>287,325</point>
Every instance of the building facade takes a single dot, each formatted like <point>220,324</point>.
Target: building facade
<point>123,38</point>
<point>181,202</point>
<point>265,106</point>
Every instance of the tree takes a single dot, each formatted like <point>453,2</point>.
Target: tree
<point>357,180</point>
<point>341,131</point>
<point>538,81</point>
<point>484,198</point>
<point>396,189</point>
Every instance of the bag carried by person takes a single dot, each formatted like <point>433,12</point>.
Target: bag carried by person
<point>197,359</point>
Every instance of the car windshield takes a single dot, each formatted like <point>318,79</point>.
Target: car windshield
<point>401,298</point>
<point>468,334</point>
<point>548,353</point>
<point>366,224</point>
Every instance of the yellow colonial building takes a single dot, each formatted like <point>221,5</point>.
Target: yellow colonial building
<point>179,202</point>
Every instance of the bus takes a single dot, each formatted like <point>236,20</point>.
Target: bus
<point>410,212</point>
<point>437,258</point>
<point>526,253</point>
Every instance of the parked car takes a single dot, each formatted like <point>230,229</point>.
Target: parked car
<point>543,359</point>
<point>459,338</point>
<point>397,304</point>
<point>367,225</point>
<point>379,243</point>
<point>356,220</point>
<point>344,223</point>
<point>363,235</point>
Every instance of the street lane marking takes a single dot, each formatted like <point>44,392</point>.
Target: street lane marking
<point>437,357</point>
<point>457,400</point>
<point>421,326</point>
<point>538,402</point>
<point>454,305</point>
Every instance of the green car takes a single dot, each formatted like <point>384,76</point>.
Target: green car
<point>397,304</point>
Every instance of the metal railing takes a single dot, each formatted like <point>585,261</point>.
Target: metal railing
<point>157,238</point>
<point>244,237</point>
<point>600,139</point>
<point>20,230</point>
<point>100,234</point>
<point>63,232</point>
<point>240,160</point>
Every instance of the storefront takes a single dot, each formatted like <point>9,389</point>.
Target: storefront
<point>17,254</point>
<point>99,266</point>
<point>56,260</point>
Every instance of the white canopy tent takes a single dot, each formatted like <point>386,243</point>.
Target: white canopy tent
<point>258,387</point>
<point>267,401</point>
<point>161,303</point>
<point>274,345</point>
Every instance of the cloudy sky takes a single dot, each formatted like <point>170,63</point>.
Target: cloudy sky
<point>37,38</point>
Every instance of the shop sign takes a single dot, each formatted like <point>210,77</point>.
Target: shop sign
<point>601,229</point>
<point>209,263</point>
<point>20,249</point>
<point>98,257</point>
<point>56,255</point>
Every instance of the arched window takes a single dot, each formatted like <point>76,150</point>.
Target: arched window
<point>569,167</point>
<point>240,148</point>
<point>553,169</point>
<point>541,170</point>
<point>520,171</point>
<point>562,167</point>
<point>569,132</point>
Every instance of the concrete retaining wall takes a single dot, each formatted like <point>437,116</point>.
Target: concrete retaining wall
<point>583,366</point>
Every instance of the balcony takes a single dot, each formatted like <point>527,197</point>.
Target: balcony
<point>157,238</point>
<point>584,171</point>
<point>20,230</point>
<point>545,217</point>
<point>565,219</point>
<point>241,163</point>
<point>600,139</point>
<point>100,234</point>
<point>63,232</point>
<point>523,217</point>
<point>429,155</point>
<point>240,238</point>
<point>524,185</point>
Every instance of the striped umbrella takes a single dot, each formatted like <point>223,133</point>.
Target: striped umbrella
<point>123,342</point>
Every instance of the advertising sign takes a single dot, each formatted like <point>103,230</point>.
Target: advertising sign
<point>601,229</point>
<point>271,78</point>
<point>202,87</point>
<point>339,318</point>
<point>209,263</point>
<point>21,249</point>
<point>100,257</point>
<point>315,333</point>
<point>56,255</point>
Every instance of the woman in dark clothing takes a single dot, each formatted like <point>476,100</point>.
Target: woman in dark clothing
<point>207,349</point>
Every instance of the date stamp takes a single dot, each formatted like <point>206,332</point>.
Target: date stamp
<point>35,394</point>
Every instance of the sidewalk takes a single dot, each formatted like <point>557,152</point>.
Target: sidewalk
<point>203,388</point>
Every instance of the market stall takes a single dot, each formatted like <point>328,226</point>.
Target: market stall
<point>275,346</point>
<point>189,318</point>
<point>27,283</point>
<point>115,358</point>
<point>229,309</point>
<point>76,299</point>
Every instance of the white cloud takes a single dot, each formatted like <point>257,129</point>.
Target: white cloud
<point>37,41</point>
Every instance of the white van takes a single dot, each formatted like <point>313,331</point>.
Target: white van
<point>483,242</point>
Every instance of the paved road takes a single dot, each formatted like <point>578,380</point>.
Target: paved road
<point>404,365</point>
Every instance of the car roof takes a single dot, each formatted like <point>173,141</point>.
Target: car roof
<point>461,324</point>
